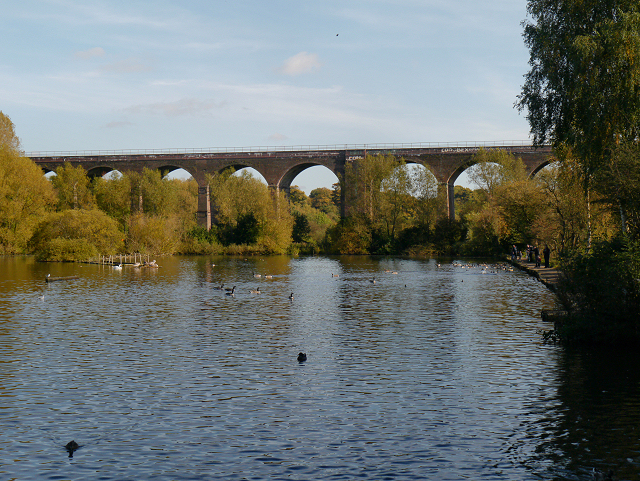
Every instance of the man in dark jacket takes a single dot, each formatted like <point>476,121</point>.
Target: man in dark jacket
<point>547,253</point>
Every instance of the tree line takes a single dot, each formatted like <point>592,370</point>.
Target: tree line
<point>392,209</point>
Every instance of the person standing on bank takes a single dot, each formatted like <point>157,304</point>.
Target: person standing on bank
<point>547,253</point>
<point>536,253</point>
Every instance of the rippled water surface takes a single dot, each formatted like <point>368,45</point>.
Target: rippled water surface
<point>428,373</point>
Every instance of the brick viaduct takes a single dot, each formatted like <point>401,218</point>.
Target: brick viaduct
<point>280,167</point>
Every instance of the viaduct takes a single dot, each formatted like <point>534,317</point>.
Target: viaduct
<point>280,166</point>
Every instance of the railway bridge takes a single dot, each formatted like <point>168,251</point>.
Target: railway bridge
<point>280,166</point>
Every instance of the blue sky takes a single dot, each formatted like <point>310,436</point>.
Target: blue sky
<point>134,74</point>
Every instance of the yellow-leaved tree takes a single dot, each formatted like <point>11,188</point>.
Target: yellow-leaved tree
<point>25,194</point>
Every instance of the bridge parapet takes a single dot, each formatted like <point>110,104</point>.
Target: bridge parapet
<point>281,149</point>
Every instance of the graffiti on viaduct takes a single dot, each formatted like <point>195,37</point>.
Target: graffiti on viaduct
<point>280,167</point>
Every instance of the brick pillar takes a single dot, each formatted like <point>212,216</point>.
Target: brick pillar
<point>274,190</point>
<point>451,205</point>
<point>204,207</point>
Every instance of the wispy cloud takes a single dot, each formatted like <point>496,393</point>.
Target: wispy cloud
<point>278,137</point>
<point>189,106</point>
<point>91,53</point>
<point>300,63</point>
<point>130,65</point>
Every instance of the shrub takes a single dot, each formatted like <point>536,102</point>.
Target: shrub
<point>602,288</point>
<point>153,234</point>
<point>76,235</point>
<point>70,250</point>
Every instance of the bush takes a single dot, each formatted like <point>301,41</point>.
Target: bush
<point>153,234</point>
<point>76,235</point>
<point>602,289</point>
<point>70,250</point>
<point>449,235</point>
<point>350,236</point>
<point>193,246</point>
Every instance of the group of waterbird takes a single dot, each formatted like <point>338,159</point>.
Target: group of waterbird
<point>485,268</point>
<point>231,291</point>
<point>153,263</point>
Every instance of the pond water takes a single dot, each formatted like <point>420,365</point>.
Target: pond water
<point>431,372</point>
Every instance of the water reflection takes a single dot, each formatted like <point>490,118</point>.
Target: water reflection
<point>593,418</point>
<point>431,373</point>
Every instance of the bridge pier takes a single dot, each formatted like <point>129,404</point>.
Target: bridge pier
<point>451,201</point>
<point>204,207</point>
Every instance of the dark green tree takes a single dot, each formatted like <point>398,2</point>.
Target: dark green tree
<point>247,229</point>
<point>301,228</point>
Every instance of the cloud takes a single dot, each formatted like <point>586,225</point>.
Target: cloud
<point>300,63</point>
<point>189,106</point>
<point>92,52</point>
<point>278,137</point>
<point>130,65</point>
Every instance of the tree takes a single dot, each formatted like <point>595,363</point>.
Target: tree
<point>152,234</point>
<point>564,227</point>
<point>364,178</point>
<point>297,196</point>
<point>427,202</point>
<point>583,90</point>
<point>113,196</point>
<point>301,228</point>
<point>8,135</point>
<point>158,195</point>
<point>622,178</point>
<point>247,229</point>
<point>25,196</point>
<point>76,235</point>
<point>494,168</point>
<point>397,202</point>
<point>73,187</point>
<point>322,199</point>
<point>507,205</point>
<point>239,198</point>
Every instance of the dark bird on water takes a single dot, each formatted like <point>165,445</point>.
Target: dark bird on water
<point>71,446</point>
<point>302,357</point>
<point>291,296</point>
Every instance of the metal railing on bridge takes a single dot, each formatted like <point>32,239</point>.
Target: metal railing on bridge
<point>286,148</point>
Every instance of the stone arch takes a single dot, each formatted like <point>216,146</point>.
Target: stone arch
<point>166,169</point>
<point>537,169</point>
<point>256,174</point>
<point>99,171</point>
<point>284,183</point>
<point>287,179</point>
